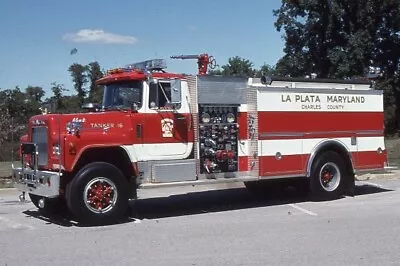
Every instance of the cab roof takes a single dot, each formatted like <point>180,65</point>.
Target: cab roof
<point>139,71</point>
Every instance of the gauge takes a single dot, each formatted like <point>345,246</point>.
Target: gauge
<point>206,118</point>
<point>230,118</point>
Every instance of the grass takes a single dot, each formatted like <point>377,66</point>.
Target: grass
<point>393,150</point>
<point>5,169</point>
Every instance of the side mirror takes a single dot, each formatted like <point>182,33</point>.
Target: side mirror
<point>176,92</point>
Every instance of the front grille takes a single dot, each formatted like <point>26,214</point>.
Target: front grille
<point>39,136</point>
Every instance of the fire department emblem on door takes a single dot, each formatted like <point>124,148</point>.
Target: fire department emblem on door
<point>167,125</point>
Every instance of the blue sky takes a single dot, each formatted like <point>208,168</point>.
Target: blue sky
<point>36,39</point>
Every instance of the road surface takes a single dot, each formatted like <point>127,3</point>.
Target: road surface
<point>224,226</point>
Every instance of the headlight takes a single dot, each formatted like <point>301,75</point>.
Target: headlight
<point>230,118</point>
<point>206,118</point>
<point>56,149</point>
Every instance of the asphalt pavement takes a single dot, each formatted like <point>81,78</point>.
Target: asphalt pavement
<point>214,225</point>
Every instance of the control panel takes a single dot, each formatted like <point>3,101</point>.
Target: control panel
<point>218,138</point>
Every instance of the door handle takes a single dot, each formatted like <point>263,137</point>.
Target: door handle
<point>139,131</point>
<point>181,118</point>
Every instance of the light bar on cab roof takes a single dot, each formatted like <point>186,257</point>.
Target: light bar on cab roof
<point>152,64</point>
<point>148,65</point>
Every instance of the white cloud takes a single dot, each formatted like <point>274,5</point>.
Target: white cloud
<point>98,36</point>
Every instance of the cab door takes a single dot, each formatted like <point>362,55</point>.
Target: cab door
<point>167,129</point>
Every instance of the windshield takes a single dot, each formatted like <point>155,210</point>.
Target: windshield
<point>123,95</point>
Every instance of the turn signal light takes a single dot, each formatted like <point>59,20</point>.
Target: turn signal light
<point>71,148</point>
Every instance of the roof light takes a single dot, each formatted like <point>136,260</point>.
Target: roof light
<point>152,64</point>
<point>144,66</point>
<point>115,70</point>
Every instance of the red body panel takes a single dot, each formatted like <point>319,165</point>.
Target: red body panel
<point>319,124</point>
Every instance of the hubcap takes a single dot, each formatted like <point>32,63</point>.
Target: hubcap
<point>329,176</point>
<point>100,195</point>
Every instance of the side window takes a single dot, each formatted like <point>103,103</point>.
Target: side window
<point>160,96</point>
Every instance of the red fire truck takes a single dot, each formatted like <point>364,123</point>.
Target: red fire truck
<point>156,129</point>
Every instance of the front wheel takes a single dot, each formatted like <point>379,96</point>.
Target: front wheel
<point>98,194</point>
<point>328,176</point>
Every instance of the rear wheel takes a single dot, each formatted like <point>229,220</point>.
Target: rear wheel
<point>98,194</point>
<point>328,176</point>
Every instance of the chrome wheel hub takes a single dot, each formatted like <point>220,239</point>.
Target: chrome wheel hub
<point>329,177</point>
<point>100,195</point>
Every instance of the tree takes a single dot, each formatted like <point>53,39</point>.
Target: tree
<point>35,93</point>
<point>336,38</point>
<point>342,39</point>
<point>94,73</point>
<point>266,70</point>
<point>238,66</point>
<point>79,78</point>
<point>57,99</point>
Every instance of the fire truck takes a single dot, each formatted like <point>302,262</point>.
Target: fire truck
<point>155,129</point>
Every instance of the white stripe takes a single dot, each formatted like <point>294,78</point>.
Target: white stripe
<point>303,210</point>
<point>298,101</point>
<point>166,151</point>
<point>158,151</point>
<point>306,146</point>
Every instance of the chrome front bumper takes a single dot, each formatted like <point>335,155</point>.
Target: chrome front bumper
<point>41,183</point>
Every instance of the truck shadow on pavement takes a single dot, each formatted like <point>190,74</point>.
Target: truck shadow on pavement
<point>193,203</point>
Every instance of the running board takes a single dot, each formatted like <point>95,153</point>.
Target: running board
<point>199,182</point>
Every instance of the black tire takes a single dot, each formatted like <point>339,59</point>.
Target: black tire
<point>328,176</point>
<point>51,206</point>
<point>109,177</point>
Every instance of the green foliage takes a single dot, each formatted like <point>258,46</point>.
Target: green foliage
<point>95,91</point>
<point>238,66</point>
<point>79,78</point>
<point>337,38</point>
<point>344,39</point>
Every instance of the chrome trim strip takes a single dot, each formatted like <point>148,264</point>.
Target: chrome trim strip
<point>296,134</point>
<point>199,182</point>
<point>280,134</point>
<point>282,176</point>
